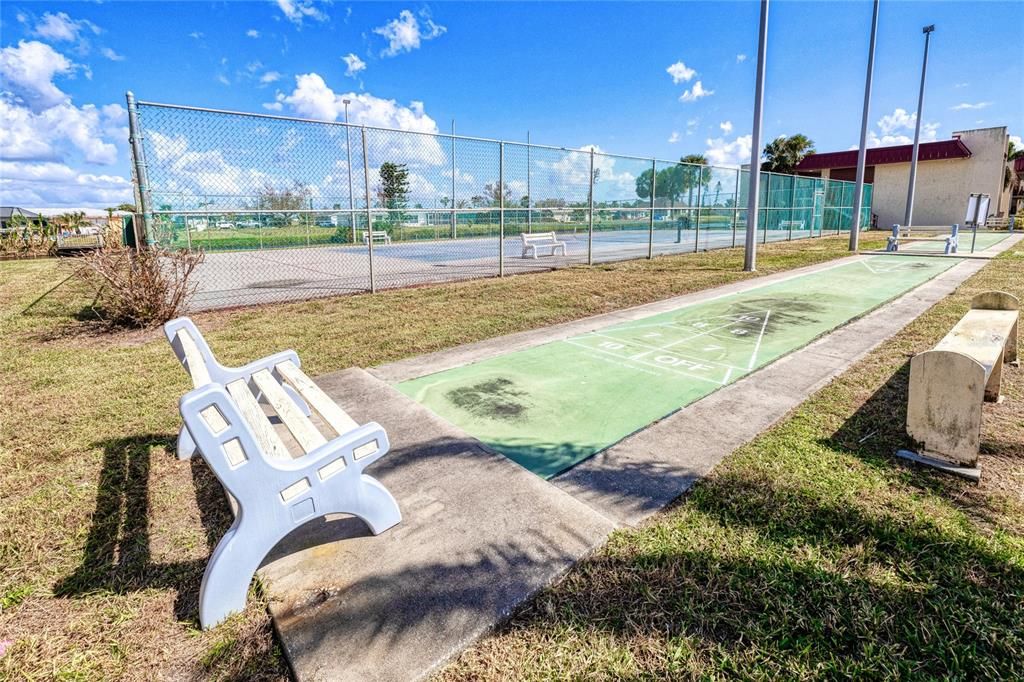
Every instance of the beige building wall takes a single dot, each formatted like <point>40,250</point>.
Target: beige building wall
<point>940,198</point>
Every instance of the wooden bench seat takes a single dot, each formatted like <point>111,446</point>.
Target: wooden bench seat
<point>272,488</point>
<point>949,383</point>
<point>537,240</point>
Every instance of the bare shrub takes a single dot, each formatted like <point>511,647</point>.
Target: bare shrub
<point>139,288</point>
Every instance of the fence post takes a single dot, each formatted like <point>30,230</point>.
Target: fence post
<point>501,209</point>
<point>650,227</point>
<point>369,213</point>
<point>696,229</point>
<point>455,219</point>
<point>307,221</point>
<point>767,207</point>
<point>529,193</point>
<point>792,205</point>
<point>141,175</point>
<point>590,227</point>
<point>736,206</point>
<point>188,233</point>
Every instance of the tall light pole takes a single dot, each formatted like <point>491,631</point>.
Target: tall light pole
<point>909,218</point>
<point>750,250</point>
<point>862,154</point>
<point>348,157</point>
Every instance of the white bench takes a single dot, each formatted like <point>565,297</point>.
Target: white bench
<point>902,234</point>
<point>949,383</point>
<point>274,492</point>
<point>195,356</point>
<point>791,225</point>
<point>378,236</point>
<point>534,240</point>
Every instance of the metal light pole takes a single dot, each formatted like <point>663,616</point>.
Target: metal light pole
<point>529,195</point>
<point>909,218</point>
<point>862,154</point>
<point>348,156</point>
<point>750,250</point>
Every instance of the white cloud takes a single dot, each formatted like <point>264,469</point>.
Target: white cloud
<point>674,137</point>
<point>273,106</point>
<point>354,64</point>
<point>223,80</point>
<point>680,72</point>
<point>695,93</point>
<point>961,85</point>
<point>405,33</point>
<point>1015,139</point>
<point>967,105</point>
<point>740,58</point>
<point>51,184</point>
<point>297,11</point>
<point>897,128</point>
<point>726,127</point>
<point>111,55</point>
<point>197,35</point>
<point>60,27</point>
<point>252,33</point>
<point>722,153</point>
<point>270,77</point>
<point>313,98</point>
<point>28,71</point>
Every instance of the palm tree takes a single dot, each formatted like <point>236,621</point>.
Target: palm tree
<point>783,154</point>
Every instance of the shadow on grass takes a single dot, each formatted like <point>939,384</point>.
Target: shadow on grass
<point>117,555</point>
<point>768,580</point>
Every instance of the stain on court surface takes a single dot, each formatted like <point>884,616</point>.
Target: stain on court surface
<point>786,313</point>
<point>492,399</point>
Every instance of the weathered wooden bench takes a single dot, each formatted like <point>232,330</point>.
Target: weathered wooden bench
<point>272,490</point>
<point>901,235</point>
<point>378,237</point>
<point>535,240</point>
<point>949,383</point>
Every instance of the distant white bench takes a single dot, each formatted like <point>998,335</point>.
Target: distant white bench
<point>949,383</point>
<point>378,236</point>
<point>273,491</point>
<point>901,235</point>
<point>541,240</point>
<point>791,225</point>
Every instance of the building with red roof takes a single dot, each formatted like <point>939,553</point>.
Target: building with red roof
<point>948,172</point>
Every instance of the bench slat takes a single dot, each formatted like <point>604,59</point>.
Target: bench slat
<point>266,436</point>
<point>317,399</point>
<point>300,426</point>
<point>196,365</point>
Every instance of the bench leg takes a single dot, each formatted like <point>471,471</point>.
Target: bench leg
<point>372,503</point>
<point>995,380</point>
<point>186,446</point>
<point>1010,353</point>
<point>230,570</point>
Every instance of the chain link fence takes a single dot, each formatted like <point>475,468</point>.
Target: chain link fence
<point>289,209</point>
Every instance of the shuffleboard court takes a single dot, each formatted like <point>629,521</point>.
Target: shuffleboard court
<point>984,240</point>
<point>551,406</point>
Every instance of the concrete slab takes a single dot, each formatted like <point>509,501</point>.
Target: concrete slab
<point>970,473</point>
<point>479,536</point>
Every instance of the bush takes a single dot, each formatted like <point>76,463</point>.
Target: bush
<point>139,288</point>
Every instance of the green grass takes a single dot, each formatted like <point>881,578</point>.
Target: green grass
<point>105,535</point>
<point>808,553</point>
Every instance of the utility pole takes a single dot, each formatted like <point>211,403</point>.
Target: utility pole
<point>862,154</point>
<point>750,246</point>
<point>909,217</point>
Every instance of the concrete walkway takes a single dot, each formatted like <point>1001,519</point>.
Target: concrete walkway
<point>480,535</point>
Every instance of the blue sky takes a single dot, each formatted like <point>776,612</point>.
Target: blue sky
<point>658,79</point>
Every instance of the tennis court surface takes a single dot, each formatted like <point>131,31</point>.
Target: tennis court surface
<point>552,406</point>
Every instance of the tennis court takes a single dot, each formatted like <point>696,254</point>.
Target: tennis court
<point>551,406</point>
